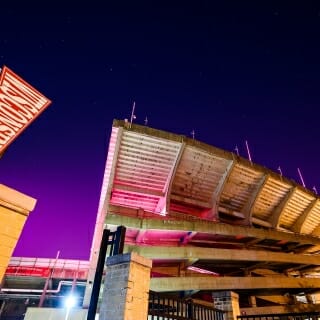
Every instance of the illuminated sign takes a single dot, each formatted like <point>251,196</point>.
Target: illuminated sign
<point>28,271</point>
<point>20,104</point>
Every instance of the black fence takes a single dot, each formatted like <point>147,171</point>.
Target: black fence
<point>283,316</point>
<point>164,307</point>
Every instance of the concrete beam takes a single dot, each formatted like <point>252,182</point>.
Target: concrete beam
<point>276,299</point>
<point>213,254</point>
<point>277,213</point>
<point>247,210</point>
<point>219,189</point>
<point>172,176</point>
<point>175,270</point>
<point>295,308</point>
<point>298,225</point>
<point>205,227</point>
<point>231,283</point>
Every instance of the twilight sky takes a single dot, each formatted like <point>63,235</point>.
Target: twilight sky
<point>229,70</point>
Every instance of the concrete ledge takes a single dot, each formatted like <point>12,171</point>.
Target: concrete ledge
<point>16,200</point>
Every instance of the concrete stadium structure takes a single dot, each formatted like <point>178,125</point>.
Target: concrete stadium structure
<point>210,220</point>
<point>215,226</point>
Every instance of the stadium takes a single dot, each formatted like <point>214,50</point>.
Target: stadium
<point>217,228</point>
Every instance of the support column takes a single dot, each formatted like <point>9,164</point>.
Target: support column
<point>126,288</point>
<point>253,301</point>
<point>227,301</point>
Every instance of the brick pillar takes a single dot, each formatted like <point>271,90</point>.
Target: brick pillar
<point>126,288</point>
<point>14,211</point>
<point>227,301</point>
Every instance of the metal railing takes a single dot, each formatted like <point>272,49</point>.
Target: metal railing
<point>282,316</point>
<point>163,307</point>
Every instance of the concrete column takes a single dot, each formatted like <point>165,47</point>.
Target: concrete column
<point>126,288</point>
<point>227,301</point>
<point>252,301</point>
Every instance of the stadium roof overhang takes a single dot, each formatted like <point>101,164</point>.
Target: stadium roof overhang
<point>173,192</point>
<point>164,173</point>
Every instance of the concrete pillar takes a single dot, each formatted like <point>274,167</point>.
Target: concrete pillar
<point>126,288</point>
<point>252,301</point>
<point>227,301</point>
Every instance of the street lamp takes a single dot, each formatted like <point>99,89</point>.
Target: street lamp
<point>70,302</point>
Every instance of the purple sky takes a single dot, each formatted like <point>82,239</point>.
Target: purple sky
<point>232,71</point>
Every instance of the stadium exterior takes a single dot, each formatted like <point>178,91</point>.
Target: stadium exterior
<point>214,224</point>
<point>210,220</point>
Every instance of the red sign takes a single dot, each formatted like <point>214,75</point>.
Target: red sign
<point>28,271</point>
<point>20,104</point>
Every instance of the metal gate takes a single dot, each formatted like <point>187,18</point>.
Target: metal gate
<point>164,307</point>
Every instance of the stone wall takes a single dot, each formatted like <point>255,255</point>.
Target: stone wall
<point>227,301</point>
<point>126,288</point>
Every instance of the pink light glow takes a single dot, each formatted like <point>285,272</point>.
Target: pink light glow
<point>199,270</point>
<point>132,199</point>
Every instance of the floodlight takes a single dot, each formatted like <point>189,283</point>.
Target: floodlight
<point>70,301</point>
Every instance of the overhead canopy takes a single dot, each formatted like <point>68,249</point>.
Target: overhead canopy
<point>161,173</point>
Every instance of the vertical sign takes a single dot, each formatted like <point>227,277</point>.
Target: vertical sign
<point>20,104</point>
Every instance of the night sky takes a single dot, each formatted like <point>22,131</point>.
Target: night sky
<point>229,70</point>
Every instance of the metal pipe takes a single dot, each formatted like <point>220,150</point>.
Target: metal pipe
<point>47,282</point>
<point>63,282</point>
